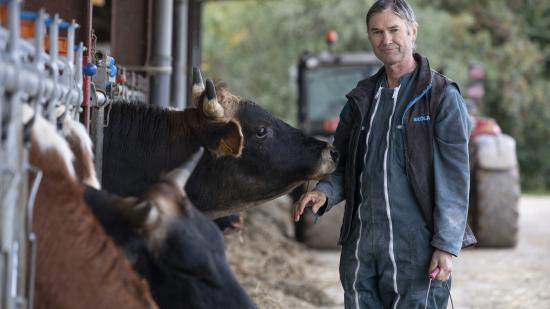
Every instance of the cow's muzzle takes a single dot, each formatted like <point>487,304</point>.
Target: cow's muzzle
<point>328,162</point>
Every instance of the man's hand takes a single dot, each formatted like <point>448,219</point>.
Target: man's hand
<point>313,199</point>
<point>444,261</point>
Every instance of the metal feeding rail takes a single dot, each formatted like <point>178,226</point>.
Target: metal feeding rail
<point>40,68</point>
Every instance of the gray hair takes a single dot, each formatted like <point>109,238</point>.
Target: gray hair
<point>399,7</point>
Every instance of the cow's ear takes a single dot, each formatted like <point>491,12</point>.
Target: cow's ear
<point>108,208</point>
<point>229,140</point>
<point>96,197</point>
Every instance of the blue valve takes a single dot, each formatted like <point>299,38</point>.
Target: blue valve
<point>89,69</point>
<point>112,71</point>
<point>111,62</point>
<point>64,24</point>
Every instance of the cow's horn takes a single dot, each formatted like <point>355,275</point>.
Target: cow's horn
<point>198,84</point>
<point>211,107</point>
<point>181,174</point>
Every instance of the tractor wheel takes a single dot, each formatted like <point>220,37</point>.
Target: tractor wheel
<point>495,208</point>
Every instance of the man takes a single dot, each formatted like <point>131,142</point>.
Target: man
<point>404,173</point>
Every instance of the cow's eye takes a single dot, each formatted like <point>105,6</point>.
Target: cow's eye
<point>261,132</point>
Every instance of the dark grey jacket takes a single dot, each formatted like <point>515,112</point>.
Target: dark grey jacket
<point>419,144</point>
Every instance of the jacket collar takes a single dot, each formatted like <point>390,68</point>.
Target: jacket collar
<point>364,92</point>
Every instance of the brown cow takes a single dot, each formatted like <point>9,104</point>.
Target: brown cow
<point>78,265</point>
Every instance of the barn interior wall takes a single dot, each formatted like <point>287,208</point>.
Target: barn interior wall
<point>129,22</point>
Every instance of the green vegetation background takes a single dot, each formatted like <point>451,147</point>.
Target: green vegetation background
<point>253,46</point>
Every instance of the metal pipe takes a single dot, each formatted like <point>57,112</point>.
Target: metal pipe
<point>79,78</point>
<point>194,36</point>
<point>10,159</point>
<point>70,41</point>
<point>38,62</point>
<point>162,52</point>
<point>13,26</point>
<point>21,79</point>
<point>30,82</point>
<point>69,72</point>
<point>54,35</point>
<point>31,237</point>
<point>179,77</point>
<point>40,32</point>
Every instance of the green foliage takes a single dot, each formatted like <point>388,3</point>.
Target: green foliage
<point>254,44</point>
<point>517,61</point>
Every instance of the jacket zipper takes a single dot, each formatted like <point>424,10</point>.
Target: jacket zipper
<point>410,106</point>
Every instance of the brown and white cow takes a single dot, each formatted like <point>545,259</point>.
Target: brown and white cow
<point>78,265</point>
<point>80,144</point>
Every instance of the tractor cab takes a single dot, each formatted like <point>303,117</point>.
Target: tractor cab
<point>324,79</point>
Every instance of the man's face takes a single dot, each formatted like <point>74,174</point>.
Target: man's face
<point>391,37</point>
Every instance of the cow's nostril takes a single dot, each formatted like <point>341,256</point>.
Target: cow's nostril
<point>334,155</point>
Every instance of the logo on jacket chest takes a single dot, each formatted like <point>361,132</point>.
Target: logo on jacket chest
<point>421,118</point>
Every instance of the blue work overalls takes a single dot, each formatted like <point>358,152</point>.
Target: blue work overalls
<point>385,263</point>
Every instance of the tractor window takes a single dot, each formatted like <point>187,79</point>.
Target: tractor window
<point>327,87</point>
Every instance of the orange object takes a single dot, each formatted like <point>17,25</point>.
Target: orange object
<point>331,36</point>
<point>331,124</point>
<point>4,15</point>
<point>61,44</point>
<point>121,78</point>
<point>483,125</point>
<point>27,29</point>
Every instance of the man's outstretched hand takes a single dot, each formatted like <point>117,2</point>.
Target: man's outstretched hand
<point>313,199</point>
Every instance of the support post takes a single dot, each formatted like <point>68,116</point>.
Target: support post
<point>179,76</point>
<point>161,56</point>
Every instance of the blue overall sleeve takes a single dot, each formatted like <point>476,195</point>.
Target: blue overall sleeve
<point>451,172</point>
<point>333,184</point>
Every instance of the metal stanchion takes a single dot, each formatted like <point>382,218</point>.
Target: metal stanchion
<point>44,81</point>
<point>12,145</point>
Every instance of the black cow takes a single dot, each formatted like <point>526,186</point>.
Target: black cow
<point>173,245</point>
<point>264,159</point>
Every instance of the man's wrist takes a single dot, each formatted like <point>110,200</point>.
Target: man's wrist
<point>445,248</point>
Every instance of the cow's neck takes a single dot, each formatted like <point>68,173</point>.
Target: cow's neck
<point>141,143</point>
<point>217,190</point>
